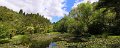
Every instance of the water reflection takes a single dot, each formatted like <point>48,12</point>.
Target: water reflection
<point>52,45</point>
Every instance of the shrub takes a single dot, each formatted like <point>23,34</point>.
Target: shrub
<point>4,30</point>
<point>6,40</point>
<point>20,39</point>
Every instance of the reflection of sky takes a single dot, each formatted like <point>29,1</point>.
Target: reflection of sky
<point>52,44</point>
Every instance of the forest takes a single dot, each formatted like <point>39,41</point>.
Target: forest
<point>89,25</point>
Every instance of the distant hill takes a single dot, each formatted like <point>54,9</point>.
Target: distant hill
<point>21,22</point>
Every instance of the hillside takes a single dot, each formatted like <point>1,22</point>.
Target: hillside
<point>11,21</point>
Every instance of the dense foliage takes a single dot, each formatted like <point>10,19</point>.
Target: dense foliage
<point>13,23</point>
<point>89,25</point>
<point>113,5</point>
<point>85,19</point>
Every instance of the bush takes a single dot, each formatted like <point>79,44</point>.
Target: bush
<point>20,39</point>
<point>4,30</point>
<point>6,40</point>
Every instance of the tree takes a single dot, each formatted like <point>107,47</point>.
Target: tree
<point>85,19</point>
<point>24,13</point>
<point>114,6</point>
<point>110,4</point>
<point>60,26</point>
<point>21,11</point>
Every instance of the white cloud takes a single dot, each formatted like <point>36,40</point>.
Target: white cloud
<point>94,1</point>
<point>83,1</point>
<point>48,8</point>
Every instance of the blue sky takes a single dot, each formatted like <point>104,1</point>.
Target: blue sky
<point>53,10</point>
<point>69,5</point>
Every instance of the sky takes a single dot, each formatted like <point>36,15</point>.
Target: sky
<point>53,10</point>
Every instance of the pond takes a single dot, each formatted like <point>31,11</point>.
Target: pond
<point>52,45</point>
